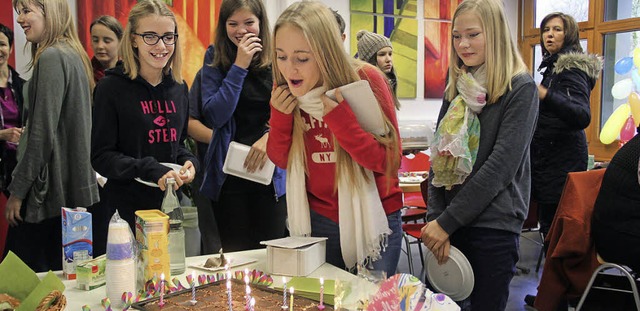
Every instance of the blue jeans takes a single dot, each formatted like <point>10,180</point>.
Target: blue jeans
<point>493,255</point>
<point>324,227</point>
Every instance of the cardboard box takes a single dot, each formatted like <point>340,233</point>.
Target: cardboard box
<point>295,256</point>
<point>77,240</point>
<point>90,274</point>
<point>152,227</point>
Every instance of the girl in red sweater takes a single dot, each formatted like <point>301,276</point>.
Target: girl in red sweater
<point>341,180</point>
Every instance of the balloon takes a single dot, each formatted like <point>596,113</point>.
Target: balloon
<point>636,57</point>
<point>622,89</point>
<point>628,130</point>
<point>634,104</point>
<point>614,124</point>
<point>623,65</point>
<point>635,77</point>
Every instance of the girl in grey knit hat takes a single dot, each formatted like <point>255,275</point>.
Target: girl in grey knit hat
<point>376,49</point>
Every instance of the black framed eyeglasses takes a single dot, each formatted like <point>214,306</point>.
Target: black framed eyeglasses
<point>153,39</point>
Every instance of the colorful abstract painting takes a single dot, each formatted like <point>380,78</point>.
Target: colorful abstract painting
<point>397,20</point>
<point>403,32</point>
<point>437,44</point>
<point>390,7</point>
<point>196,25</point>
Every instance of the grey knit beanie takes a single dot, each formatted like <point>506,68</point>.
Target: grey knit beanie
<point>369,43</point>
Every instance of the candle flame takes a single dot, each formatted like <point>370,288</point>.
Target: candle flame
<point>291,290</point>
<point>321,281</point>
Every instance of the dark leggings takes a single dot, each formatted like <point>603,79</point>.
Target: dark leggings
<point>39,245</point>
<point>247,213</point>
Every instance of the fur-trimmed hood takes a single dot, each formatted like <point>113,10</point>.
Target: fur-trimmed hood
<point>591,64</point>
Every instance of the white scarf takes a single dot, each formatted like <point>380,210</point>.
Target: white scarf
<point>362,221</point>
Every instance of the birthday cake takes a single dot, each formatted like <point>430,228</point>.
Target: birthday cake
<point>213,296</point>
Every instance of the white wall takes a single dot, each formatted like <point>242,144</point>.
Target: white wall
<point>412,109</point>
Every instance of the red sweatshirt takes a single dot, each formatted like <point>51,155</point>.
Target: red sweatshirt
<point>321,157</point>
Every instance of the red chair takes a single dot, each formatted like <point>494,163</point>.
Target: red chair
<point>418,163</point>
<point>415,206</point>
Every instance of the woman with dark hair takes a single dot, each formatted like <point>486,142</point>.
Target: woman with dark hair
<point>559,144</point>
<point>236,90</point>
<point>10,121</point>
<point>106,34</point>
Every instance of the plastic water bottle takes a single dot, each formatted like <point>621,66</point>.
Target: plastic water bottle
<point>171,207</point>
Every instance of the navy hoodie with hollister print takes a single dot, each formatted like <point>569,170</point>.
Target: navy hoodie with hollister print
<point>136,126</point>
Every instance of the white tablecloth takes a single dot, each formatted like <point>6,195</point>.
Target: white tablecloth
<point>77,298</point>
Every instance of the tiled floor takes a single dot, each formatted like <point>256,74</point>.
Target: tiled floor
<point>521,285</point>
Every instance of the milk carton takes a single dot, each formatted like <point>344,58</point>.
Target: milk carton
<point>77,239</point>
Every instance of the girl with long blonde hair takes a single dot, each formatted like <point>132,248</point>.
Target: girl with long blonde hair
<point>341,180</point>
<point>54,168</point>
<point>479,188</point>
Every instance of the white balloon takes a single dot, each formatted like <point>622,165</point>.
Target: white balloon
<point>622,89</point>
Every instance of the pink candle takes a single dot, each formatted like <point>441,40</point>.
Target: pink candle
<point>247,298</point>
<point>229,294</point>
<point>321,306</point>
<point>161,303</point>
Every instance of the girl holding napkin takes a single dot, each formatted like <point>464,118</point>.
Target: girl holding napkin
<point>341,180</point>
<point>480,176</point>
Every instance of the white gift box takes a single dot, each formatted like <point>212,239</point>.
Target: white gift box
<point>295,256</point>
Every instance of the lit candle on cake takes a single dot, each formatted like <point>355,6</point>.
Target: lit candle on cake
<point>284,293</point>
<point>229,293</point>
<point>193,288</point>
<point>248,298</point>
<point>291,299</point>
<point>161,303</point>
<point>252,304</point>
<point>321,306</point>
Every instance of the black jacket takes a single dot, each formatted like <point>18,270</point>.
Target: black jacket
<point>137,125</point>
<point>8,157</point>
<point>559,144</point>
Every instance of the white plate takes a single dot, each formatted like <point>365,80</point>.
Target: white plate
<point>454,278</point>
<point>233,262</point>
<point>361,99</point>
<point>175,167</point>
<point>411,179</point>
<point>234,165</point>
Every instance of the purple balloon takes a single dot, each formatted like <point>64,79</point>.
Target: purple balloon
<point>623,65</point>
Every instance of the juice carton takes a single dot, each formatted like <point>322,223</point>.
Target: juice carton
<point>77,239</point>
<point>152,227</point>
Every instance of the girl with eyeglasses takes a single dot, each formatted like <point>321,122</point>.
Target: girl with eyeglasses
<point>141,109</point>
<point>236,90</point>
<point>53,161</point>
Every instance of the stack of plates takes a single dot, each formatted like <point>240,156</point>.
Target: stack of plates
<point>454,278</point>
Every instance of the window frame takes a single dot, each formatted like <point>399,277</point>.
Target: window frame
<point>593,30</point>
